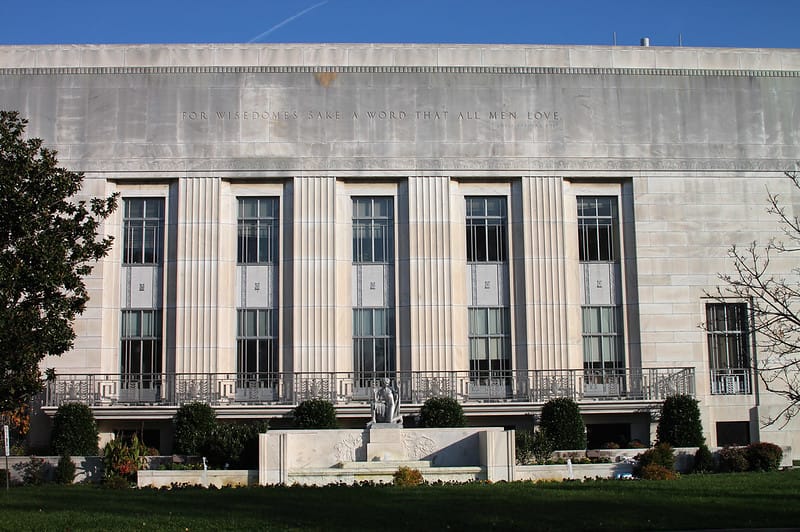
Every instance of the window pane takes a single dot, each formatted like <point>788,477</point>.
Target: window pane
<point>134,208</point>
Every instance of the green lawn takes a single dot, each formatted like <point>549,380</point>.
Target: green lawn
<point>692,502</point>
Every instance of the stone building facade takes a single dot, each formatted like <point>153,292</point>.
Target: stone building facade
<point>499,224</point>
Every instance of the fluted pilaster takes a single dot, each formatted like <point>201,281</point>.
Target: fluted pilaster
<point>314,274</point>
<point>196,275</point>
<point>544,266</point>
<point>434,341</point>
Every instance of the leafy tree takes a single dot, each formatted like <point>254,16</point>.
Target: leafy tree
<point>563,425</point>
<point>48,244</point>
<point>680,424</point>
<point>774,302</point>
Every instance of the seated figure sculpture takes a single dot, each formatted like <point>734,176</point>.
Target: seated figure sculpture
<point>386,404</point>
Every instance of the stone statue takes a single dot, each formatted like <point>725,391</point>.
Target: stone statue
<point>386,404</point>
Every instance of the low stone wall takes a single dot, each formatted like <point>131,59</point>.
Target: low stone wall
<point>573,471</point>
<point>217,478</point>
<point>87,468</point>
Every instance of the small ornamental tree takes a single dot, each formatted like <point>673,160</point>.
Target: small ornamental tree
<point>563,425</point>
<point>315,414</point>
<point>680,424</point>
<point>74,430</point>
<point>441,412</point>
<point>48,245</point>
<point>194,425</point>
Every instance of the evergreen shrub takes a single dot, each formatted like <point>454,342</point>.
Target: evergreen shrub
<point>764,456</point>
<point>74,430</point>
<point>194,424</point>
<point>680,424</point>
<point>234,445</point>
<point>733,460</point>
<point>441,412</point>
<point>65,470</point>
<point>703,460</point>
<point>523,446</point>
<point>315,414</point>
<point>563,425</point>
<point>661,455</point>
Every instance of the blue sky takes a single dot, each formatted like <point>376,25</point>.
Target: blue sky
<point>724,23</point>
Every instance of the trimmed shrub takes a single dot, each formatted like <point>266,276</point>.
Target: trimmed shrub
<point>234,445</point>
<point>764,456</point>
<point>733,460</point>
<point>523,446</point>
<point>562,423</point>
<point>315,414</point>
<point>65,470</point>
<point>703,460</point>
<point>542,447</point>
<point>657,472</point>
<point>532,447</point>
<point>440,412</point>
<point>661,455</point>
<point>74,430</point>
<point>408,476</point>
<point>680,424</point>
<point>194,423</point>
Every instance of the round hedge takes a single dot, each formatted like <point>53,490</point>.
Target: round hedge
<point>562,422</point>
<point>440,412</point>
<point>315,414</point>
<point>194,424</point>
<point>74,431</point>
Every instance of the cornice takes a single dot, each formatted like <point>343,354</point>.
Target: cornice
<point>572,71</point>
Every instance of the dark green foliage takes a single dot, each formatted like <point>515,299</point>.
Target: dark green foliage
<point>234,445</point>
<point>74,430</point>
<point>764,456</point>
<point>680,424</point>
<point>441,412</point>
<point>194,424</point>
<point>65,470</point>
<point>561,421</point>
<point>733,460</point>
<point>315,414</point>
<point>523,446</point>
<point>661,455</point>
<point>48,245</point>
<point>532,447</point>
<point>703,460</point>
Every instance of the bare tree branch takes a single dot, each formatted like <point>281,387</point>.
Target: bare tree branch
<point>774,303</point>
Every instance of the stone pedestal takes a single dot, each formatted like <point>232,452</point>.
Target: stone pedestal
<point>385,443</point>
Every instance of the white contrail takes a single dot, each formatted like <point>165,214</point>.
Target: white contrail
<point>284,22</point>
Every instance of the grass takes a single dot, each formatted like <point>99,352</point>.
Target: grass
<point>742,500</point>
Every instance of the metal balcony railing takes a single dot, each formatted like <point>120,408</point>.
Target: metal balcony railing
<point>731,381</point>
<point>415,387</point>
